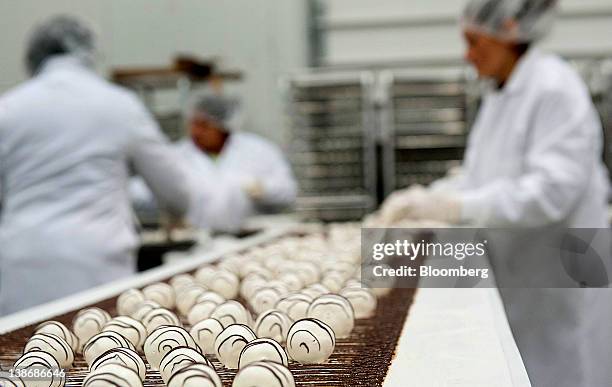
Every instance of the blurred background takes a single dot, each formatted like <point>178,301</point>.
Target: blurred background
<point>363,96</point>
<point>315,112</point>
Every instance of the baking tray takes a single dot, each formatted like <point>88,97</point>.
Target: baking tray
<point>361,360</point>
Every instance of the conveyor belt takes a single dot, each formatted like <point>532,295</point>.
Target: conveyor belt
<point>361,360</point>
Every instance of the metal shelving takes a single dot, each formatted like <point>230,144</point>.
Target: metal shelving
<point>331,119</point>
<point>424,121</point>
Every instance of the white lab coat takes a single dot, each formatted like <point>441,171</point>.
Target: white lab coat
<point>66,139</point>
<point>220,182</point>
<point>533,160</point>
<point>534,153</point>
<point>227,205</point>
<point>246,157</point>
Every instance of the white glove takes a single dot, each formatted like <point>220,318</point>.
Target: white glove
<point>391,208</point>
<point>370,221</point>
<point>420,204</point>
<point>253,188</point>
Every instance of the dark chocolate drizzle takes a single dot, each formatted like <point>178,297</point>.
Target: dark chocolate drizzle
<point>133,356</point>
<point>53,342</point>
<point>198,374</point>
<point>275,371</point>
<point>268,343</point>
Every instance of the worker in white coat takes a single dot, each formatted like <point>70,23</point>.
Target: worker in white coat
<point>67,139</point>
<point>533,160</point>
<point>534,152</point>
<point>250,174</point>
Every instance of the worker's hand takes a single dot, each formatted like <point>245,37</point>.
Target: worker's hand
<point>372,221</point>
<point>392,209</point>
<point>420,204</point>
<point>253,188</point>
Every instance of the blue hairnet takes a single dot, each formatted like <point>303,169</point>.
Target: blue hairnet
<point>60,35</point>
<point>223,110</point>
<point>533,18</point>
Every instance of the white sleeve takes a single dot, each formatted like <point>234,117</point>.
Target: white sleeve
<point>562,153</point>
<point>279,184</point>
<point>158,163</point>
<point>449,184</point>
<point>140,194</point>
<point>2,162</point>
<point>220,205</point>
<point>1,185</point>
<point>214,204</point>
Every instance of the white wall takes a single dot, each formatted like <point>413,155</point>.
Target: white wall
<point>268,38</point>
<point>374,31</point>
<point>264,38</point>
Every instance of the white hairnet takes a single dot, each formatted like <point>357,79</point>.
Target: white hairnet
<point>60,35</point>
<point>224,110</point>
<point>533,18</point>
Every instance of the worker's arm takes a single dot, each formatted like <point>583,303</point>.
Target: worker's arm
<point>220,205</point>
<point>453,182</point>
<point>279,188</point>
<point>561,158</point>
<point>153,158</point>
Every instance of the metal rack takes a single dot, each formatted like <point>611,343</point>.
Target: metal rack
<point>332,121</point>
<point>359,136</point>
<point>424,124</point>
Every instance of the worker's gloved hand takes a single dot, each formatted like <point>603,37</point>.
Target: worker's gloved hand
<point>391,210</point>
<point>418,203</point>
<point>372,221</point>
<point>439,207</point>
<point>253,188</point>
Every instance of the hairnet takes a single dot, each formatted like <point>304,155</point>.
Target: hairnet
<point>533,18</point>
<point>224,110</point>
<point>60,35</point>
